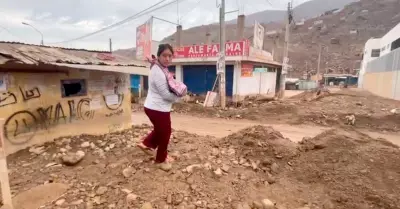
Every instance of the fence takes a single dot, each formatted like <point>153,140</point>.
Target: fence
<point>382,76</point>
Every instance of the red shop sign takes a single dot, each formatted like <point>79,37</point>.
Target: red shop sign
<point>240,48</point>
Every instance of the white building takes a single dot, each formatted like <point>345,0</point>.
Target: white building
<point>380,68</point>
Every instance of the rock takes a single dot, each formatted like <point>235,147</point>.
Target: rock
<point>267,204</point>
<point>165,167</point>
<point>178,199</point>
<point>270,178</point>
<point>215,152</point>
<point>359,104</point>
<point>85,144</point>
<point>395,111</point>
<point>72,159</point>
<point>146,205</point>
<point>213,206</point>
<point>60,202</point>
<point>275,168</point>
<point>304,208</point>
<point>131,198</point>
<point>225,168</point>
<point>328,205</point>
<point>101,190</point>
<point>190,168</point>
<point>169,199</point>
<point>77,202</point>
<point>128,172</point>
<point>258,205</point>
<point>218,172</point>
<point>63,150</point>
<point>66,141</point>
<point>37,150</point>
<point>243,206</point>
<point>350,120</point>
<point>126,191</point>
<point>111,146</point>
<point>53,165</point>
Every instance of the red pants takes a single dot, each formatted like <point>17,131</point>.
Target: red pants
<point>159,137</point>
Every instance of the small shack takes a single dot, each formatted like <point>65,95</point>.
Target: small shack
<point>48,92</point>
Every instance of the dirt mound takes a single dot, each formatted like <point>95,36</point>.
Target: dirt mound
<point>350,170</point>
<point>260,146</point>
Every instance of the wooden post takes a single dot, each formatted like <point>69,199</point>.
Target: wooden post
<point>5,182</point>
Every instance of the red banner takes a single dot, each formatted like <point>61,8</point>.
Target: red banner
<point>240,48</point>
<point>143,40</point>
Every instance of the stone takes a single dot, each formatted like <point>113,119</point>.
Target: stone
<point>275,168</point>
<point>169,199</point>
<point>177,199</point>
<point>101,190</point>
<point>213,206</point>
<point>60,202</point>
<point>77,202</point>
<point>111,146</point>
<point>270,178</point>
<point>328,205</point>
<point>85,144</point>
<point>131,198</point>
<point>395,111</point>
<point>165,167</point>
<point>190,168</point>
<point>128,172</point>
<point>37,150</point>
<point>66,141</point>
<point>63,150</point>
<point>267,204</point>
<point>126,191</point>
<point>225,168</point>
<point>146,205</point>
<point>218,172</point>
<point>72,159</point>
<point>258,205</point>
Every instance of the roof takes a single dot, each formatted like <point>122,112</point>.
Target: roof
<point>19,53</point>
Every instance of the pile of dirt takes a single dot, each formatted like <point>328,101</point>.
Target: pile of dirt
<point>260,143</point>
<point>349,170</point>
<point>335,170</point>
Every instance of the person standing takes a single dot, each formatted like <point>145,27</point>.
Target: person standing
<point>157,107</point>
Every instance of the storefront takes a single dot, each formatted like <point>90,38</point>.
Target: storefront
<point>248,71</point>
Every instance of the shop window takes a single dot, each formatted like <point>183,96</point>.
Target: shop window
<point>375,53</point>
<point>73,88</point>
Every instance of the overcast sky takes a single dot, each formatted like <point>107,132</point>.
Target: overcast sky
<point>61,20</point>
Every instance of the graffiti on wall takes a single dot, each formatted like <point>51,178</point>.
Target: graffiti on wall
<point>30,94</point>
<point>7,98</point>
<point>21,126</point>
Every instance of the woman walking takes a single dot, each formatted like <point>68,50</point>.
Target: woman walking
<point>158,107</point>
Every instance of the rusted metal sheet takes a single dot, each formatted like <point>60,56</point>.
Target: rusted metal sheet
<point>33,54</point>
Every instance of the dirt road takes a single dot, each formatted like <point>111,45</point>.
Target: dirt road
<point>221,127</point>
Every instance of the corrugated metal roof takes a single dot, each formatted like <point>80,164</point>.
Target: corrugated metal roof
<point>11,52</point>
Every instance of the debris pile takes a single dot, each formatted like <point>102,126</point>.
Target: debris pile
<point>253,168</point>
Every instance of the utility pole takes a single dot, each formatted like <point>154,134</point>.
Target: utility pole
<point>319,63</point>
<point>286,52</point>
<point>110,41</point>
<point>221,61</point>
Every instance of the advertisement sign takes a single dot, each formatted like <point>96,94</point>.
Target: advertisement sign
<point>260,70</point>
<point>144,40</point>
<point>247,70</point>
<point>258,37</point>
<point>238,48</point>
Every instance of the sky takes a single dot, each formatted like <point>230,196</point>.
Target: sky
<point>61,20</point>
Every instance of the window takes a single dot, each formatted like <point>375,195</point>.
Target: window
<point>73,88</point>
<point>395,44</point>
<point>375,53</point>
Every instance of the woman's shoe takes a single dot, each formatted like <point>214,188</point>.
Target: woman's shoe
<point>147,150</point>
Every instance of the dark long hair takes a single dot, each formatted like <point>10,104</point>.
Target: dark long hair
<point>163,47</point>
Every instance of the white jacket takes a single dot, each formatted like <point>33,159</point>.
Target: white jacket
<point>159,97</point>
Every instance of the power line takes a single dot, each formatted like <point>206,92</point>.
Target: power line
<point>197,3</point>
<point>128,19</point>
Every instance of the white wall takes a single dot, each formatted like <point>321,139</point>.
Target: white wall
<point>259,83</point>
<point>179,73</point>
<point>369,46</point>
<point>387,40</point>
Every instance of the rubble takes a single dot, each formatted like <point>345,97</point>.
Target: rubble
<point>206,175</point>
<point>72,159</point>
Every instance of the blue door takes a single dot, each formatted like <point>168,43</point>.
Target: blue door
<point>135,82</point>
<point>201,78</point>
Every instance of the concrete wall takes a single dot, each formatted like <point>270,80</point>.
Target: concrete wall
<point>256,84</point>
<point>380,83</point>
<point>35,111</point>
